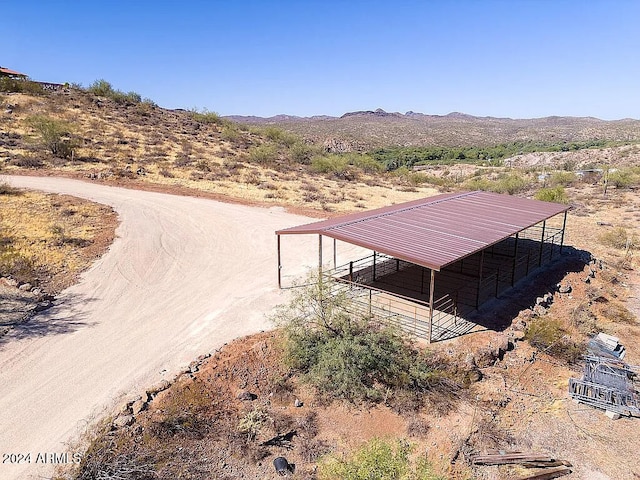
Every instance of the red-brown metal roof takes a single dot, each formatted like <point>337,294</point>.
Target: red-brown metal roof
<point>6,71</point>
<point>436,231</point>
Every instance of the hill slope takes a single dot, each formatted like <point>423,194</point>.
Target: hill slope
<point>366,130</point>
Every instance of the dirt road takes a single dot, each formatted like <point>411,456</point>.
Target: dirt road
<point>184,276</point>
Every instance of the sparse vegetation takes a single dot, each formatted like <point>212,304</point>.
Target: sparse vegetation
<point>378,460</point>
<point>553,194</point>
<point>207,117</point>
<point>620,238</point>
<point>54,135</point>
<point>13,85</point>
<point>548,335</point>
<point>43,244</point>
<point>347,356</point>
<point>103,88</point>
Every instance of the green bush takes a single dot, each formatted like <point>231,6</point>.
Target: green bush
<point>302,153</point>
<point>103,88</point>
<point>348,356</point>
<point>280,136</point>
<point>377,460</point>
<point>54,135</point>
<point>620,238</point>
<point>263,154</point>
<point>562,178</point>
<point>555,194</point>
<point>334,164</point>
<point>13,85</point>
<point>548,335</point>
<point>510,183</point>
<point>207,117</point>
<point>345,165</point>
<point>623,178</point>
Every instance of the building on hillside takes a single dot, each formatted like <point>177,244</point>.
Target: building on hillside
<point>5,72</point>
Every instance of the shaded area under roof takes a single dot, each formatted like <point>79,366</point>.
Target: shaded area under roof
<point>436,231</point>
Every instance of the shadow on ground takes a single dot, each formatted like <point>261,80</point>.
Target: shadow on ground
<point>19,318</point>
<point>498,313</point>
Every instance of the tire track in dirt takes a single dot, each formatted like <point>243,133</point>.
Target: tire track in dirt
<point>184,276</point>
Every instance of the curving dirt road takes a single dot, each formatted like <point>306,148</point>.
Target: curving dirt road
<point>184,276</point>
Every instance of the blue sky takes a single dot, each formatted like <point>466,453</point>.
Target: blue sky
<point>510,58</point>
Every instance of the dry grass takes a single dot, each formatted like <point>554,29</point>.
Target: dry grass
<point>121,144</point>
<point>57,235</point>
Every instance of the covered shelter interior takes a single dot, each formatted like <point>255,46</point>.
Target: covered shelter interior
<point>436,260</point>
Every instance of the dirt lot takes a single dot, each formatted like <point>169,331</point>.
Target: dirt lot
<point>184,276</point>
<point>120,310</point>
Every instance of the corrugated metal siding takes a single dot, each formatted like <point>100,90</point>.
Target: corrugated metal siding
<point>436,231</point>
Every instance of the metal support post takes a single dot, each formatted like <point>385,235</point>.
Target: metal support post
<point>374,266</point>
<point>431,290</point>
<point>335,255</point>
<point>564,224</point>
<point>544,224</point>
<point>479,280</point>
<point>320,254</point>
<point>279,265</point>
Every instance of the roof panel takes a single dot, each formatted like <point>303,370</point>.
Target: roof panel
<point>436,231</point>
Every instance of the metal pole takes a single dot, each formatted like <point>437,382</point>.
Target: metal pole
<point>374,266</point>
<point>515,259</point>
<point>279,264</point>
<point>335,256</point>
<point>479,280</point>
<point>431,290</point>
<point>320,254</point>
<point>564,224</point>
<point>544,224</point>
<point>351,271</point>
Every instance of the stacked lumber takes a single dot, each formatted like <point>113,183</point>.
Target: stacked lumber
<point>553,468</point>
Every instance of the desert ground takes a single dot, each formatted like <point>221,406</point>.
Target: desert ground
<point>183,277</point>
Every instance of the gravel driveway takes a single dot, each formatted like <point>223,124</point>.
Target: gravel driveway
<point>184,276</point>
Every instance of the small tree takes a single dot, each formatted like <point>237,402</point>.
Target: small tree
<point>54,135</point>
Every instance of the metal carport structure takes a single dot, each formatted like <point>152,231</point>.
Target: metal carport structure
<point>439,232</point>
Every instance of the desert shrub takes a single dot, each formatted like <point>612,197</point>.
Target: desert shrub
<point>103,88</point>
<point>14,85</point>
<point>280,136</point>
<point>547,335</point>
<point>207,117</point>
<point>263,154</point>
<point>622,178</point>
<point>554,194</point>
<point>562,178</point>
<point>334,164</point>
<point>252,422</point>
<point>377,460</point>
<point>302,153</point>
<point>6,189</point>
<point>53,134</point>
<point>27,161</point>
<point>620,238</point>
<point>510,183</point>
<point>418,178</point>
<point>349,356</point>
<point>617,312</point>
<point>17,265</point>
<point>230,132</point>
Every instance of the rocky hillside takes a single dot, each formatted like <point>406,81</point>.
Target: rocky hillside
<point>365,130</point>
